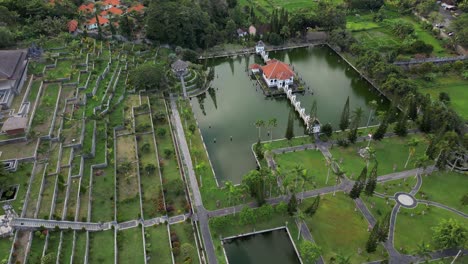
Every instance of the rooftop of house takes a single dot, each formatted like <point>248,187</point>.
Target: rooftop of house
<point>179,65</point>
<point>72,25</point>
<point>15,122</point>
<point>137,8</point>
<point>278,70</point>
<point>252,29</point>
<point>12,64</point>
<point>102,20</point>
<point>112,10</point>
<point>86,7</point>
<point>255,66</point>
<point>111,2</point>
<point>260,44</point>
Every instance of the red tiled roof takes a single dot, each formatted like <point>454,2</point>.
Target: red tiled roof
<point>72,25</point>
<point>111,2</point>
<point>113,10</point>
<point>255,66</point>
<point>86,8</point>
<point>137,8</point>
<point>102,20</point>
<point>277,70</point>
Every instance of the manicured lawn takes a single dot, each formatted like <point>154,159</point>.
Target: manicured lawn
<point>158,248</point>
<point>47,195</point>
<point>452,84</point>
<point>388,152</point>
<point>52,246</point>
<point>392,187</point>
<point>130,246</point>
<point>101,247</point>
<point>410,231</point>
<point>338,229</point>
<point>184,233</point>
<point>103,195</point>
<point>67,247</point>
<point>80,247</point>
<point>360,22</point>
<point>312,161</point>
<point>446,188</point>
<point>378,206</point>
<point>5,246</point>
<point>35,253</point>
<point>283,143</point>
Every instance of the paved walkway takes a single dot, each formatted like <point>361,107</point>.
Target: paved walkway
<point>202,214</point>
<point>443,206</point>
<point>28,223</point>
<point>305,232</point>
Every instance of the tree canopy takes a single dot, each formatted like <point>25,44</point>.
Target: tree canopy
<point>149,77</point>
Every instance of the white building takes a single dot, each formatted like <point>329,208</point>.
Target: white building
<point>277,74</point>
<point>260,47</point>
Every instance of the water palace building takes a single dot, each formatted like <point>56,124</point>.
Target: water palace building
<point>275,73</point>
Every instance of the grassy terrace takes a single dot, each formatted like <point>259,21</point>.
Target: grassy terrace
<point>150,179</point>
<point>158,249</point>
<point>19,252</point>
<point>340,237</point>
<point>10,151</point>
<point>176,202</point>
<point>388,152</point>
<point>72,199</point>
<point>63,70</point>
<point>65,160</point>
<point>60,195</point>
<point>43,117</point>
<point>21,177</point>
<point>101,247</point>
<point>103,195</point>
<point>313,162</point>
<point>52,245</point>
<point>67,247</point>
<point>232,225</point>
<point>67,92</point>
<point>183,233</point>
<point>411,231</point>
<point>35,188</point>
<point>37,246</point>
<point>5,246</point>
<point>128,204</point>
<point>444,187</point>
<point>80,247</point>
<point>53,154</point>
<point>130,246</point>
<point>47,195</point>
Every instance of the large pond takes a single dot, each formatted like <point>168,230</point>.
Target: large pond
<point>273,247</point>
<point>236,104</point>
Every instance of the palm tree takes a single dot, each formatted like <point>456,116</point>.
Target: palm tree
<point>328,162</point>
<point>339,174</point>
<point>300,217</point>
<point>259,124</point>
<point>412,143</point>
<point>373,106</point>
<point>370,155</point>
<point>230,188</point>
<point>421,162</point>
<point>272,123</point>
<point>299,172</point>
<point>200,168</point>
<point>357,116</point>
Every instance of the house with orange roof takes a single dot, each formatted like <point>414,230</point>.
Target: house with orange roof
<point>113,11</point>
<point>277,73</point>
<point>86,8</point>
<point>72,26</point>
<point>93,23</point>
<point>108,4</point>
<point>137,8</point>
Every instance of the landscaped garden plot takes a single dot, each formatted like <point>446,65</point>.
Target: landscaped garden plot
<point>53,154</point>
<point>130,246</point>
<point>80,247</point>
<point>360,22</point>
<point>284,143</point>
<point>262,219</point>
<point>10,151</point>
<point>152,196</point>
<point>101,247</point>
<point>183,243</point>
<point>379,207</point>
<point>21,177</point>
<point>47,196</point>
<point>339,229</point>
<point>65,160</point>
<point>128,206</point>
<point>37,247</point>
<point>5,247</point>
<point>411,231</point>
<point>445,188</point>
<point>314,164</point>
<point>377,38</point>
<point>72,199</point>
<point>389,152</point>
<point>35,189</point>
<point>33,92</point>
<point>19,251</point>
<point>392,187</point>
<point>52,244</point>
<point>158,249</point>
<point>72,125</point>
<point>44,111</point>
<point>102,204</point>
<point>62,179</point>
<point>451,84</point>
<point>75,165</point>
<point>67,92</point>
<point>173,185</point>
<point>84,193</point>
<point>62,70</point>
<point>142,123</point>
<point>67,246</point>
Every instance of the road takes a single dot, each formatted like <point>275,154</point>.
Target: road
<point>202,214</point>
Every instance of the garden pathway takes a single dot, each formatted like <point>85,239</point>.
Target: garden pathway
<point>305,232</point>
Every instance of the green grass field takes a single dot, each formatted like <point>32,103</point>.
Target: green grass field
<point>388,152</point>
<point>445,188</point>
<point>157,245</point>
<point>454,85</point>
<point>410,231</point>
<point>338,229</point>
<point>311,160</point>
<point>101,247</point>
